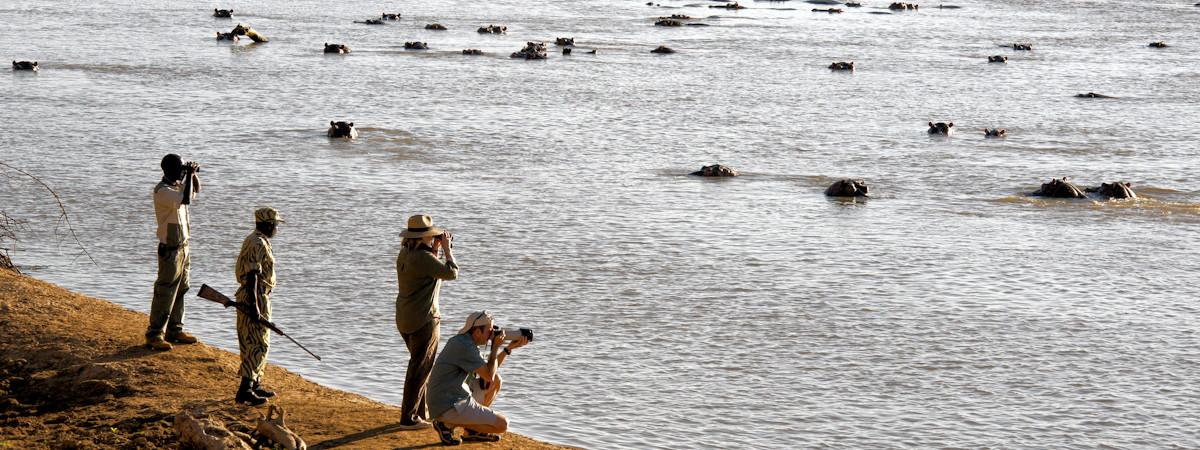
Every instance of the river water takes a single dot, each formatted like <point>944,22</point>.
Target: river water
<point>949,310</point>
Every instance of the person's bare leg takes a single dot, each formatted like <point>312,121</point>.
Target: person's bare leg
<point>497,427</point>
<point>489,394</point>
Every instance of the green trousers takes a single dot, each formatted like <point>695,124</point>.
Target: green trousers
<point>166,310</point>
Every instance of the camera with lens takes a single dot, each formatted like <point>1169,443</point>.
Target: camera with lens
<point>512,334</point>
<point>190,167</point>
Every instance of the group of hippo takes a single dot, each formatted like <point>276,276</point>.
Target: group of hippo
<point>1055,188</point>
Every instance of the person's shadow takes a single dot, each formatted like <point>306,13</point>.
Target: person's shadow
<point>368,434</point>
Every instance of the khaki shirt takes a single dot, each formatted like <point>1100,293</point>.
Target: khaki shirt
<point>419,275</point>
<point>256,255</point>
<point>174,228</point>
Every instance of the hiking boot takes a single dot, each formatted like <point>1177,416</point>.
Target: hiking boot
<point>475,436</point>
<point>446,434</point>
<point>246,396</point>
<point>261,391</point>
<point>413,424</point>
<point>158,344</point>
<point>181,337</point>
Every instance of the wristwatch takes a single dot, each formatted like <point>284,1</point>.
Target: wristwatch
<point>507,351</point>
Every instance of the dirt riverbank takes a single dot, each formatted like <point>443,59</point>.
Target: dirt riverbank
<point>74,375</point>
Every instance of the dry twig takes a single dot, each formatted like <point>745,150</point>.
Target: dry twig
<point>63,217</point>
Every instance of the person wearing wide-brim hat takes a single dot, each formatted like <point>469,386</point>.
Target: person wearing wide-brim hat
<point>419,275</point>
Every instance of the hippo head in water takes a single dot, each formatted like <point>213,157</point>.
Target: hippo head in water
<point>902,6</point>
<point>668,23</point>
<point>1022,46</point>
<point>222,13</point>
<point>1059,188</point>
<point>436,27</point>
<point>848,188</point>
<point>715,170</point>
<point>227,37</point>
<point>493,29</point>
<point>472,51</point>
<point>995,132</point>
<point>1093,95</point>
<point>389,16</point>
<point>564,41</point>
<point>1114,190</point>
<point>1159,44</point>
<point>416,45</point>
<point>25,65</point>
<point>842,65</point>
<point>342,130</point>
<point>336,48</point>
<point>532,50</point>
<point>998,59</point>
<point>733,5</point>
<point>941,128</point>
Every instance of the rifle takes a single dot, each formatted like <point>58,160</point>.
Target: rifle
<point>208,293</point>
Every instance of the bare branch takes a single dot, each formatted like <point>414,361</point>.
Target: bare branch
<point>63,217</point>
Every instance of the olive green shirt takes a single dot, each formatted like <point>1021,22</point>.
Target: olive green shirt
<point>419,275</point>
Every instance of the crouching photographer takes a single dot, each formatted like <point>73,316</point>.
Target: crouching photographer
<point>460,365</point>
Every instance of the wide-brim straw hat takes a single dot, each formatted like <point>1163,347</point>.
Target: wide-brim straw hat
<point>420,226</point>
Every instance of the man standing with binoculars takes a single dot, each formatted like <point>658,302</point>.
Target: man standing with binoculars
<point>172,195</point>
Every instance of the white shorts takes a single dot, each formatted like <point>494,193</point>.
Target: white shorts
<point>469,412</point>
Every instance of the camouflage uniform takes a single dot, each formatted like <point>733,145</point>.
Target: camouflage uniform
<point>253,338</point>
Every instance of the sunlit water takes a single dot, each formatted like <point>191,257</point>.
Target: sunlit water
<point>670,311</point>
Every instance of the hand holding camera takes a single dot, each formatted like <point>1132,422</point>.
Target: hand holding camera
<point>191,167</point>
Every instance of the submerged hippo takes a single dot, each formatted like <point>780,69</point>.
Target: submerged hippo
<point>242,30</point>
<point>902,6</point>
<point>848,188</point>
<point>370,21</point>
<point>227,37</point>
<point>562,42</point>
<point>1059,188</point>
<point>678,17</point>
<point>998,59</point>
<point>941,128</point>
<point>336,48</point>
<point>1020,46</point>
<point>223,13</point>
<point>436,27</point>
<point>25,65</point>
<point>994,132</point>
<point>842,65</point>
<point>532,50</point>
<point>342,130</point>
<point>416,45</point>
<point>1159,44</point>
<point>1093,95</point>
<point>1114,190</point>
<point>668,23</point>
<point>390,16</point>
<point>472,51</point>
<point>715,170</point>
<point>492,29</point>
<point>853,5</point>
<point>663,50</point>
<point>828,10</point>
<point>733,5</point>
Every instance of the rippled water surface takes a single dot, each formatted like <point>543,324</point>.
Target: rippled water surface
<point>671,312</point>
